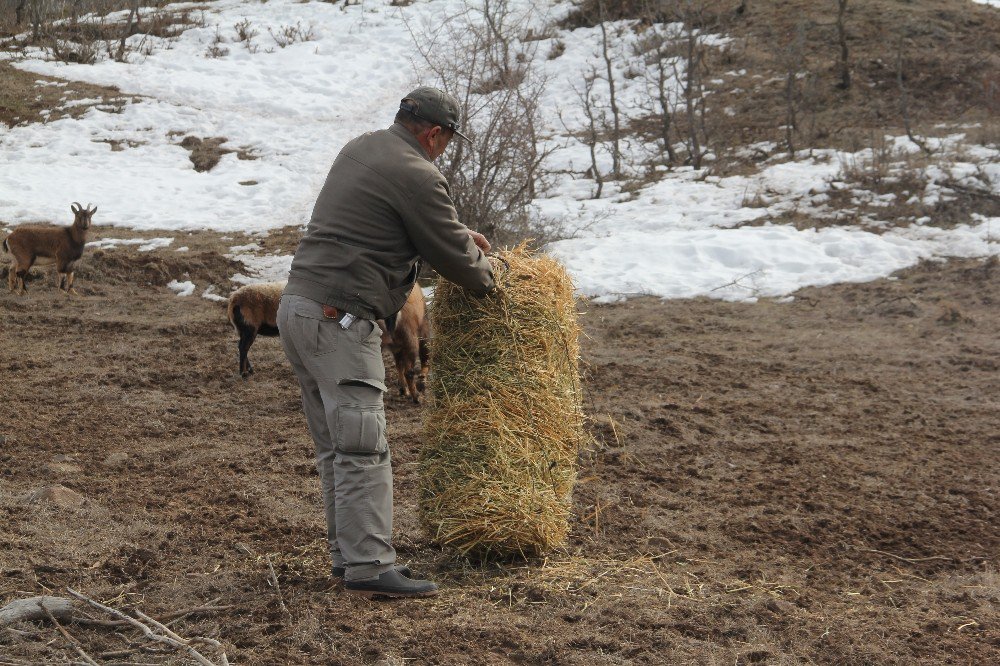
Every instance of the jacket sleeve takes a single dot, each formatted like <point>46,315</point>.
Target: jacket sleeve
<point>433,227</point>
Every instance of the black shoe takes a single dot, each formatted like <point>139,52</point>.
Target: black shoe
<point>391,584</point>
<point>338,572</point>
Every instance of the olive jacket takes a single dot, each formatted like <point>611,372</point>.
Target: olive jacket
<point>384,206</point>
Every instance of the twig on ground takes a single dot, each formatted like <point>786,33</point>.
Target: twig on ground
<point>886,301</point>
<point>973,191</point>
<point>736,282</point>
<point>69,637</point>
<point>209,607</point>
<point>132,647</point>
<point>19,633</point>
<point>170,639</point>
<point>274,581</point>
<point>89,621</point>
<point>173,616</point>
<point>911,559</point>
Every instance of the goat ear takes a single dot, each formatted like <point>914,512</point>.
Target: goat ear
<point>94,210</point>
<point>75,207</point>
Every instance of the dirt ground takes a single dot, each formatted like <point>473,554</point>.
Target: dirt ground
<point>777,483</point>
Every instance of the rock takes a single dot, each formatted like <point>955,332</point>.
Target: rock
<point>57,495</point>
<point>781,606</point>
<point>63,468</point>
<point>31,609</point>
<point>63,458</point>
<point>116,459</point>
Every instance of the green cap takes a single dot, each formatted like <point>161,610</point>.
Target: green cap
<point>434,106</point>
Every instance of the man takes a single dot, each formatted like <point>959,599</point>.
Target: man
<point>384,206</point>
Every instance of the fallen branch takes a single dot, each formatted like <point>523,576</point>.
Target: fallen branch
<point>170,639</point>
<point>172,616</point>
<point>34,608</point>
<point>69,637</point>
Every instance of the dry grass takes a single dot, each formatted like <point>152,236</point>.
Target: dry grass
<point>26,97</point>
<point>506,423</point>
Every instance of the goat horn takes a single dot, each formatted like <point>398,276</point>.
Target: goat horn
<point>77,204</point>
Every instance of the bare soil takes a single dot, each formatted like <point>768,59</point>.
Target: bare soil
<point>777,483</point>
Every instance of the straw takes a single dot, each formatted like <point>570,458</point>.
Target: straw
<point>505,422</point>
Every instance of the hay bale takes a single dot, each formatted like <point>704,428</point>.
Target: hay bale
<point>505,423</point>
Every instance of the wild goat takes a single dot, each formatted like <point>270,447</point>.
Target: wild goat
<point>253,311</point>
<point>405,334</point>
<point>62,246</point>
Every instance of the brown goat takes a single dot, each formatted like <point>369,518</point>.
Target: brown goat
<point>406,334</point>
<point>253,311</point>
<point>62,246</point>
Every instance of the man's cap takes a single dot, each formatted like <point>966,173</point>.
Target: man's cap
<point>434,106</point>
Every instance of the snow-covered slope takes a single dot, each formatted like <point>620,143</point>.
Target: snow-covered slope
<point>293,108</point>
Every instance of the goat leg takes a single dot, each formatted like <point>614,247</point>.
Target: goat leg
<point>411,385</point>
<point>400,371</point>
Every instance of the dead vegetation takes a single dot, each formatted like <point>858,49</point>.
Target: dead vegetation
<point>800,76</point>
<point>206,153</point>
<point>83,31</point>
<point>30,98</point>
<point>951,48</point>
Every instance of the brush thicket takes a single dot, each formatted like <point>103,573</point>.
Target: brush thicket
<point>505,423</point>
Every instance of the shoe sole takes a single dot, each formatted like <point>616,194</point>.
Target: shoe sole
<point>375,594</point>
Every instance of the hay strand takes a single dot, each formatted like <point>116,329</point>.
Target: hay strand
<point>505,424</point>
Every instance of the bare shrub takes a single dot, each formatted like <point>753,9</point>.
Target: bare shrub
<point>904,99</point>
<point>661,84</point>
<point>695,110</point>
<point>215,48</point>
<point>558,48</point>
<point>843,64</point>
<point>487,68</point>
<point>792,59</point>
<point>245,34</point>
<point>289,34</point>
<point>606,56</point>
<point>870,168</point>
<point>57,26</point>
<point>591,134</point>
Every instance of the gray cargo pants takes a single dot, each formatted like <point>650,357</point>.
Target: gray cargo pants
<point>342,378</point>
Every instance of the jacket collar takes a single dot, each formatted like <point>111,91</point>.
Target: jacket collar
<point>406,136</point>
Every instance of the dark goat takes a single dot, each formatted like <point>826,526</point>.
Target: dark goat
<point>253,311</point>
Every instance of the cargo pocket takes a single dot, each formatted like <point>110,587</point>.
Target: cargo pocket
<point>361,419</point>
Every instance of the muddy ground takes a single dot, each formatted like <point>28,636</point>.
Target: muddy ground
<point>778,483</point>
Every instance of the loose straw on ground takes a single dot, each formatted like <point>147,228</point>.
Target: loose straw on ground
<point>505,424</point>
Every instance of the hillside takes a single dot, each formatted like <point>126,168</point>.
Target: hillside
<point>787,288</point>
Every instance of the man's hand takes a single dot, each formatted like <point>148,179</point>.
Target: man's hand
<point>480,241</point>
